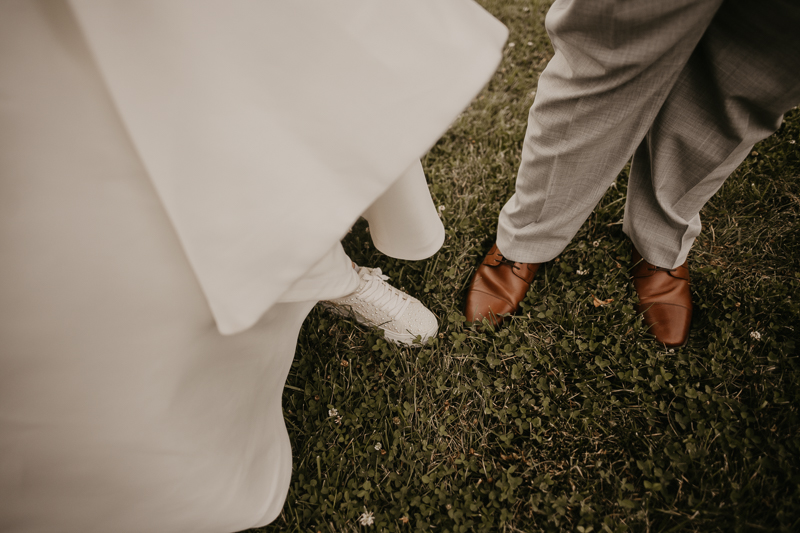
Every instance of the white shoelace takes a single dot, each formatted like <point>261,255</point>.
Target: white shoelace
<point>381,294</point>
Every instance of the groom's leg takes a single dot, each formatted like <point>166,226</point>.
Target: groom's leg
<point>614,66</point>
<point>738,82</point>
<point>744,74</point>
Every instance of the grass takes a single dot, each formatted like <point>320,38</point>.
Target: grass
<point>569,417</point>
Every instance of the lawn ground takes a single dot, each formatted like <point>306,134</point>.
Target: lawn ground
<point>569,417</point>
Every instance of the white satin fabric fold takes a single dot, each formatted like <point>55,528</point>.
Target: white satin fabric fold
<point>263,124</point>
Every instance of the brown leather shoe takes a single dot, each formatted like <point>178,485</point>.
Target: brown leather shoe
<point>497,287</point>
<point>664,300</point>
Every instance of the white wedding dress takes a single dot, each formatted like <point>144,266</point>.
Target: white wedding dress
<point>174,181</point>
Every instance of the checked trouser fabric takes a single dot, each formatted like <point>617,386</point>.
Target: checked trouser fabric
<point>687,87</point>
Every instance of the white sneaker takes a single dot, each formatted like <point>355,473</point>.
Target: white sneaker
<point>375,303</point>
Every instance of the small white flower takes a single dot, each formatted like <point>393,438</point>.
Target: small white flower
<point>333,412</point>
<point>530,43</point>
<point>378,447</point>
<point>511,45</point>
<point>755,335</point>
<point>582,272</point>
<point>366,518</point>
<point>338,419</point>
<point>596,244</point>
<point>441,208</point>
<point>792,141</point>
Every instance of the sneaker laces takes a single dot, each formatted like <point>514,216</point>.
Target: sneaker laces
<point>379,293</point>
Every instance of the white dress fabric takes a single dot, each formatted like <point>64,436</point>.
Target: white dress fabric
<point>281,121</point>
<point>174,181</point>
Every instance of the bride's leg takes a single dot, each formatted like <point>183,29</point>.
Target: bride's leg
<point>332,276</point>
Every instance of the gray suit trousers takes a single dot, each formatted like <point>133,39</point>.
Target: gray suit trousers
<point>685,86</point>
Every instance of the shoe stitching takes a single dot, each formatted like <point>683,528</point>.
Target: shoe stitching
<point>496,296</point>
